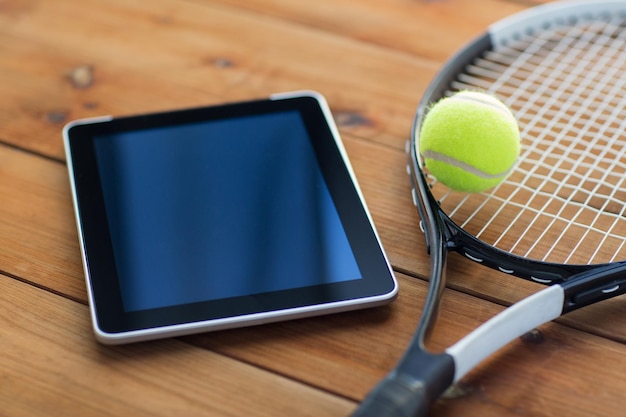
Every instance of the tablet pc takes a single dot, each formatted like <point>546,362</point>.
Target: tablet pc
<point>219,217</point>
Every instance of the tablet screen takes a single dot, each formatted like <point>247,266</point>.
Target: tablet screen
<point>219,217</point>
<point>219,209</point>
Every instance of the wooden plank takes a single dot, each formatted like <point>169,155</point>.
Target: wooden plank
<point>181,56</point>
<point>50,365</point>
<point>37,95</point>
<point>37,228</point>
<point>429,29</point>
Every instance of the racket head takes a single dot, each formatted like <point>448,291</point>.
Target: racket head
<point>562,210</point>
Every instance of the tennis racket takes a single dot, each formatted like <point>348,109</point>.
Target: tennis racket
<point>560,217</point>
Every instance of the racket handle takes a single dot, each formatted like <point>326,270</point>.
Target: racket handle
<point>395,397</point>
<point>409,391</point>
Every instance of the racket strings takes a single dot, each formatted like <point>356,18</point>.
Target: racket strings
<point>544,77</point>
<point>592,51</point>
<point>592,145</point>
<point>564,201</point>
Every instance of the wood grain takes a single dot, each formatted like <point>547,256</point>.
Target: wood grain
<point>413,27</point>
<point>195,54</point>
<point>51,366</point>
<point>63,60</point>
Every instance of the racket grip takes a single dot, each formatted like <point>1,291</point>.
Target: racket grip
<point>395,396</point>
<point>411,389</point>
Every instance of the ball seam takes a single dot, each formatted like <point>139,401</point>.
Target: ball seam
<point>440,157</point>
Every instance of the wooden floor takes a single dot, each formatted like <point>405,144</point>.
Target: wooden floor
<point>67,59</point>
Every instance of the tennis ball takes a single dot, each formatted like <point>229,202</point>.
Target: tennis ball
<point>469,141</point>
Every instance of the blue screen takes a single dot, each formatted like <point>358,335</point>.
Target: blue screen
<point>219,209</point>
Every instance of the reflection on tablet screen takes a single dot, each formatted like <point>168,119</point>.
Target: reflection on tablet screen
<point>183,234</point>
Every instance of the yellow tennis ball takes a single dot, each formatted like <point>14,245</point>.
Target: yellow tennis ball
<point>469,141</point>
